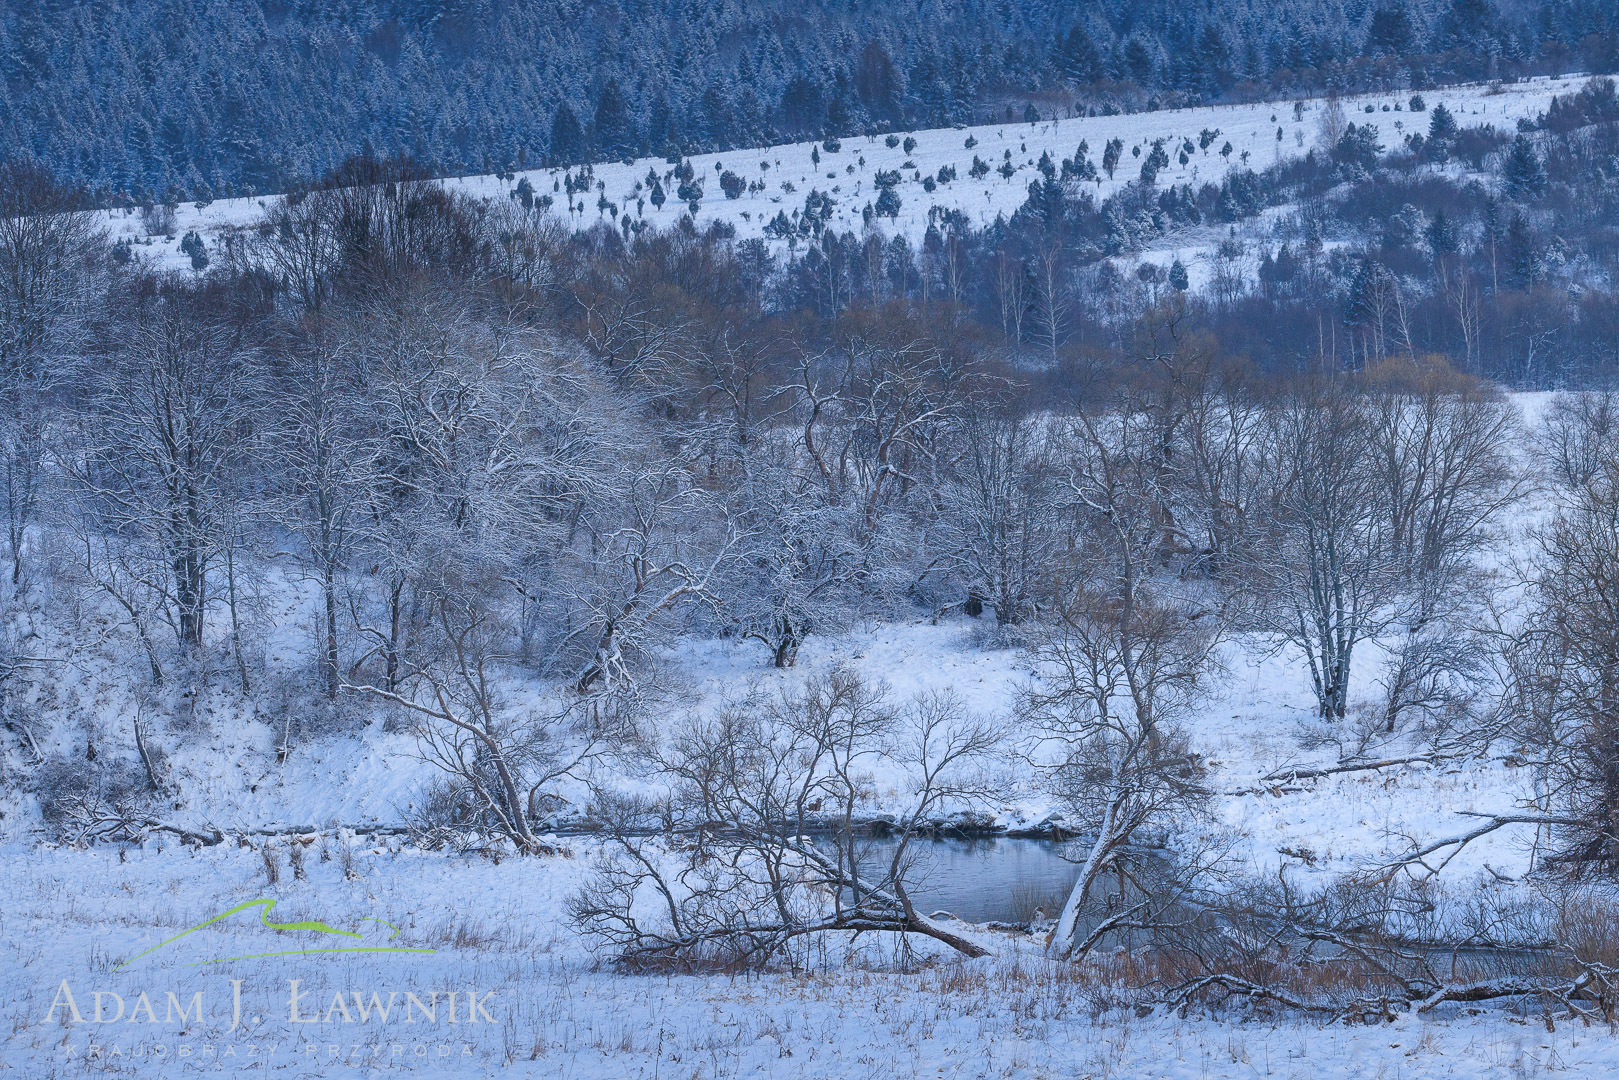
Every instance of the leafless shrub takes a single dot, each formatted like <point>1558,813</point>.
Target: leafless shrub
<point>270,856</point>
<point>85,804</point>
<point>347,861</point>
<point>1433,681</point>
<point>1579,438</point>
<point>1033,904</point>
<point>157,219</point>
<point>84,816</point>
<point>499,762</point>
<point>74,791</point>
<point>60,779</point>
<point>725,870</point>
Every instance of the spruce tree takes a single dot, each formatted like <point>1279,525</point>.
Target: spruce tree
<point>1441,127</point>
<point>1078,58</point>
<point>1522,171</point>
<point>1138,61</point>
<point>1523,252</point>
<point>662,138</point>
<point>1390,33</point>
<point>1441,235</point>
<point>1110,156</point>
<point>1156,160</point>
<point>567,143</point>
<point>615,130</point>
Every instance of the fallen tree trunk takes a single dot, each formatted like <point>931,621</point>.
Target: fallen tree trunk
<point>1419,856</point>
<point>109,824</point>
<point>922,924</point>
<point>1316,773</point>
<point>1560,990</point>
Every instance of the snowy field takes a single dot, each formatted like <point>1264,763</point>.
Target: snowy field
<point>781,177</point>
<point>544,1011</point>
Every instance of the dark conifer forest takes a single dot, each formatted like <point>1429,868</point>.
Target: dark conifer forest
<point>218,97</point>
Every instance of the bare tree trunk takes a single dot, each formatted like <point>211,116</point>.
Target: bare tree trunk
<point>329,596</point>
<point>396,622</point>
<point>235,621</point>
<point>145,755</point>
<point>1062,938</point>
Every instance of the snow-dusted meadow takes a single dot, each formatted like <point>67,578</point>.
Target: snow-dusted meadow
<point>787,173</point>
<point>495,931</point>
<point>865,1008</point>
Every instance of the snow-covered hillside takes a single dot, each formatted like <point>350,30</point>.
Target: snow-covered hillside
<point>781,177</point>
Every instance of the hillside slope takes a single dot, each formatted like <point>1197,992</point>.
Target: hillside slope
<point>782,177</point>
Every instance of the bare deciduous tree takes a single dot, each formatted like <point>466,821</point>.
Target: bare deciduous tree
<point>799,565</point>
<point>868,413</point>
<point>1563,700</point>
<point>1580,437</point>
<point>1439,446</point>
<point>327,464</point>
<point>1318,563</point>
<point>1219,468</point>
<point>735,875</point>
<point>52,258</point>
<point>1121,657</point>
<point>996,513</point>
<point>166,454</point>
<point>652,545</point>
<point>501,760</point>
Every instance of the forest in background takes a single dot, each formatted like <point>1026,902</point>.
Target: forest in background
<point>174,99</point>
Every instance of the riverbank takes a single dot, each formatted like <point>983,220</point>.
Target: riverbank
<point>871,1006</point>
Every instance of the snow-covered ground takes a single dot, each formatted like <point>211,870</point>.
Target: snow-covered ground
<point>545,1011</point>
<point>76,915</point>
<point>1260,719</point>
<point>789,175</point>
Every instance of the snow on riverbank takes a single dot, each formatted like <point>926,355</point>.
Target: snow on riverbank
<point>545,1010</point>
<point>1259,718</point>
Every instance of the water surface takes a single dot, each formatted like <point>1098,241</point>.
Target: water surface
<point>984,879</point>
